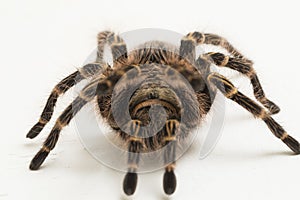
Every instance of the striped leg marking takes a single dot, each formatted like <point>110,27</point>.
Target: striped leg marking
<point>245,67</point>
<point>116,44</point>
<point>52,138</point>
<point>170,143</point>
<point>228,89</point>
<point>193,39</point>
<point>65,84</point>
<point>135,146</point>
<point>85,96</point>
<point>217,40</point>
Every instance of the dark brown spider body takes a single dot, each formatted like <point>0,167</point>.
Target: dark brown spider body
<point>155,95</point>
<point>153,59</point>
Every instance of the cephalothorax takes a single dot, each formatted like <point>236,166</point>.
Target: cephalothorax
<point>156,66</point>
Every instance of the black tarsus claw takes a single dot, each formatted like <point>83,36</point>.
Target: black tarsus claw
<point>35,130</point>
<point>273,108</point>
<point>293,144</point>
<point>129,184</point>
<point>38,159</point>
<point>169,182</point>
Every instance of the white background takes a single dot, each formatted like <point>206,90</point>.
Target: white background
<point>42,42</point>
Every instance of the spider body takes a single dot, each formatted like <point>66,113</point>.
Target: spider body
<point>154,90</point>
<point>140,83</point>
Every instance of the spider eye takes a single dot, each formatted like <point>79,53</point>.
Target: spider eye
<point>153,95</point>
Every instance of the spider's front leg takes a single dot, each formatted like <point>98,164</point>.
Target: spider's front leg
<point>135,145</point>
<point>170,145</point>
<point>231,92</point>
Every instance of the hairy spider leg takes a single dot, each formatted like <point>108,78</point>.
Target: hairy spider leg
<point>170,144</point>
<point>245,67</point>
<point>98,86</point>
<point>238,62</point>
<point>231,92</point>
<point>135,144</point>
<point>196,38</point>
<point>117,46</point>
<point>119,51</point>
<point>86,71</point>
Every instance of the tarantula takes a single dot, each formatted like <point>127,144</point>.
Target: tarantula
<point>160,62</point>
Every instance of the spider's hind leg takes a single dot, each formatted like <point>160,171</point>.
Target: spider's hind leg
<point>231,92</point>
<point>244,67</point>
<point>136,144</point>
